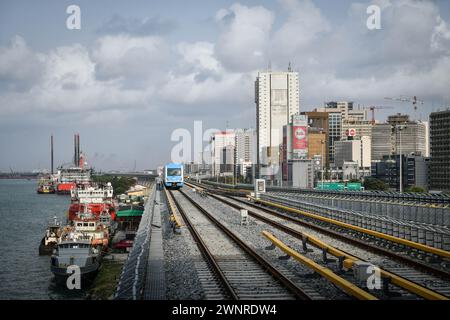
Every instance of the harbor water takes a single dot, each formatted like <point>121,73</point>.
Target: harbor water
<point>24,217</point>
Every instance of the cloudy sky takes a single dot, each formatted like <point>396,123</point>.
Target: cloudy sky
<point>138,70</point>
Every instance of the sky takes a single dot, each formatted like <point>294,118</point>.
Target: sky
<point>138,70</point>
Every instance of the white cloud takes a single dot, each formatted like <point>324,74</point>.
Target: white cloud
<point>346,59</point>
<point>131,59</point>
<point>305,25</point>
<point>245,37</point>
<point>19,66</point>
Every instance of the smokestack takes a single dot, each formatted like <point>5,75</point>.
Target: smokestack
<point>78,149</point>
<point>75,150</point>
<point>51,152</point>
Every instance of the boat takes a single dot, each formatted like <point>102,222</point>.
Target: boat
<point>97,199</point>
<point>69,178</point>
<point>50,238</point>
<point>75,248</point>
<point>46,189</point>
<point>91,226</point>
<point>45,185</point>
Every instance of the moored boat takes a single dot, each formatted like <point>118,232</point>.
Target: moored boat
<point>45,189</point>
<point>45,184</point>
<point>93,198</point>
<point>75,249</point>
<point>50,238</point>
<point>68,178</point>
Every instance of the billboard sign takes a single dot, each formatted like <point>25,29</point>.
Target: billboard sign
<point>299,136</point>
<point>351,132</point>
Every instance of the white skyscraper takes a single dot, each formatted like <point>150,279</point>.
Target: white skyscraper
<point>277,100</point>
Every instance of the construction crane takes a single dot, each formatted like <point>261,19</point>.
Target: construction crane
<point>373,108</point>
<point>413,100</point>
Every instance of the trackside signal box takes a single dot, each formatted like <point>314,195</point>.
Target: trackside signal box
<point>260,187</point>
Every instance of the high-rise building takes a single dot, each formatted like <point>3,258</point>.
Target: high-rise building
<point>245,145</point>
<point>219,142</point>
<point>277,100</point>
<point>335,133</point>
<point>439,173</point>
<point>382,144</point>
<point>245,152</point>
<point>358,151</point>
<point>408,136</point>
<point>414,171</point>
<point>318,129</point>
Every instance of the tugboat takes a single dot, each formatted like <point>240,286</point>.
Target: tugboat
<point>45,185</point>
<point>51,237</point>
<point>75,248</point>
<point>45,189</point>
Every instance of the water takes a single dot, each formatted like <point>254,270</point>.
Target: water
<point>24,217</point>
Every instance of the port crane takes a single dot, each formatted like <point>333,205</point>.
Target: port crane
<point>373,108</point>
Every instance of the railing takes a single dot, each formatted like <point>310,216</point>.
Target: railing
<point>132,279</point>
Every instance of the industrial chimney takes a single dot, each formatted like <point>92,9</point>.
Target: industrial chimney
<point>51,153</point>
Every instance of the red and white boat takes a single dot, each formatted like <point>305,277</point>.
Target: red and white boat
<point>96,199</point>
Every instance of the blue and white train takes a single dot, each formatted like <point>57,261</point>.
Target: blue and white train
<point>173,175</point>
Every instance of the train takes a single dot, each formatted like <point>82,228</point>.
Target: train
<point>173,175</point>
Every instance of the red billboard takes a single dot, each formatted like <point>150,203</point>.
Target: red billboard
<point>299,136</point>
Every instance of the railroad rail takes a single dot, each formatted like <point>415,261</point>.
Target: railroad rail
<point>318,217</point>
<point>258,270</point>
<point>350,259</point>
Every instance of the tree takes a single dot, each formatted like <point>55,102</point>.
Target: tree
<point>415,189</point>
<point>375,184</point>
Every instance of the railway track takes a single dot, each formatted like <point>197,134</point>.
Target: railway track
<point>233,269</point>
<point>416,281</point>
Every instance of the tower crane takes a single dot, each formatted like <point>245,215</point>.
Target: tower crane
<point>373,108</point>
<point>413,100</point>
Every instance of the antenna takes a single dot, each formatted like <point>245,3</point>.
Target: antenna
<point>289,67</point>
<point>269,67</point>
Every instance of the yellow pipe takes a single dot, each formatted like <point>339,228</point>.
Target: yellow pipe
<point>345,285</point>
<point>173,210</point>
<point>395,279</point>
<point>422,247</point>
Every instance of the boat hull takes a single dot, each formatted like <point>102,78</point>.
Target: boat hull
<point>46,250</point>
<point>46,192</point>
<point>86,272</point>
<point>64,188</point>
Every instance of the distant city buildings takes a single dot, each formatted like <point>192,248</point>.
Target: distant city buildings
<point>439,173</point>
<point>335,142</point>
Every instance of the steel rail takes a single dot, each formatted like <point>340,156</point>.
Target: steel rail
<point>206,252</point>
<point>291,286</point>
<point>395,279</point>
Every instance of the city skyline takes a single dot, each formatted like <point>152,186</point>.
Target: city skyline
<point>129,77</point>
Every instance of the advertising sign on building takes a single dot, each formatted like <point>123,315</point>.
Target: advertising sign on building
<point>299,136</point>
<point>351,132</point>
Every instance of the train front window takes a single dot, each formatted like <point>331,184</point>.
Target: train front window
<point>173,172</point>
